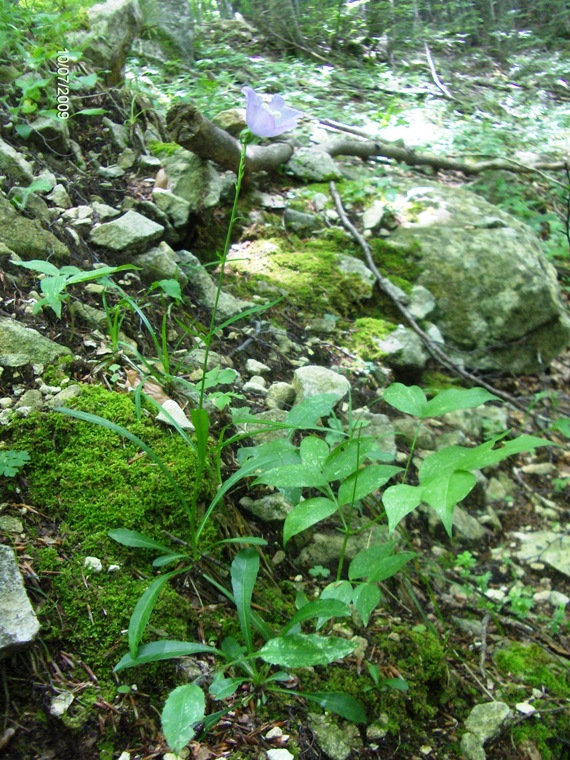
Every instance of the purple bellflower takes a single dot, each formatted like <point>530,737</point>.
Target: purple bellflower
<point>268,119</point>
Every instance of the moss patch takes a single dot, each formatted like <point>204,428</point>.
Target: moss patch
<point>365,337</point>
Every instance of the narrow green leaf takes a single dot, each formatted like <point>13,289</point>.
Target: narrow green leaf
<point>365,482</point>
<point>305,514</point>
<point>143,610</point>
<point>453,399</point>
<point>338,703</point>
<point>409,399</point>
<point>244,569</point>
<point>137,540</point>
<point>183,710</point>
<point>168,559</point>
<point>201,423</point>
<point>162,650</point>
<point>399,501</point>
<point>253,540</point>
<point>300,650</point>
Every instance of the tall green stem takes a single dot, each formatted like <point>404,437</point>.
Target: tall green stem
<point>223,258</point>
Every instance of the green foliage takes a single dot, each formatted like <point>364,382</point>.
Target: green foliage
<point>11,462</point>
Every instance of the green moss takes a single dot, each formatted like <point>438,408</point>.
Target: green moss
<point>530,665</point>
<point>160,149</point>
<point>399,263</point>
<point>365,337</point>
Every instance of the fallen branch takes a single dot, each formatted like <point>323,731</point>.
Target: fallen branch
<point>437,81</point>
<point>387,287</point>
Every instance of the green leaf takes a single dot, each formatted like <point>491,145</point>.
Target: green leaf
<point>310,410</point>
<point>324,609</point>
<point>143,610</point>
<point>443,493</point>
<point>222,688</point>
<point>253,540</point>
<point>245,567</point>
<point>300,650</point>
<point>365,482</point>
<point>137,540</point>
<point>162,650</point>
<point>91,112</point>
<point>183,710</point>
<point>366,597</point>
<point>347,458</point>
<point>562,425</point>
<point>399,501</point>
<point>341,590</point>
<point>314,451</point>
<point>293,476</point>
<point>201,423</point>
<point>305,514</point>
<point>406,398</point>
<point>168,559</point>
<point>338,703</point>
<point>12,461</point>
<point>378,562</point>
<point>453,399</point>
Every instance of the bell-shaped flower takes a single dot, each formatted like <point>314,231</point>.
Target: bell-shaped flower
<point>268,119</point>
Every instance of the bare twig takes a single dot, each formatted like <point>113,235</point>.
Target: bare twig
<point>439,84</point>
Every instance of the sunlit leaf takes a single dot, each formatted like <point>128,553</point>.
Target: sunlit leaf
<point>183,710</point>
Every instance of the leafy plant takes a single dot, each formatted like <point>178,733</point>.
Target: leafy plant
<point>11,462</point>
<point>243,662</point>
<point>54,285</point>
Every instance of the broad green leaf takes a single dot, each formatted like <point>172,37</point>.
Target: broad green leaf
<point>314,451</point>
<point>12,461</point>
<point>293,476</point>
<point>406,398</point>
<point>562,425</point>
<point>305,514</point>
<point>399,501</point>
<point>366,597</point>
<point>137,540</point>
<point>341,590</point>
<point>245,567</point>
<point>266,454</point>
<point>37,265</point>
<point>310,410</point>
<point>324,609</point>
<point>443,493</point>
<point>222,688</point>
<point>453,399</point>
<point>364,560</point>
<point>171,288</point>
<point>347,458</point>
<point>143,610</point>
<point>162,650</point>
<point>365,482</point>
<point>184,708</point>
<point>396,683</point>
<point>338,703</point>
<point>301,650</point>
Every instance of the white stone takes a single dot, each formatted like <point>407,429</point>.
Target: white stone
<point>61,703</point>
<point>279,754</point>
<point>93,564</point>
<point>173,411</point>
<point>256,368</point>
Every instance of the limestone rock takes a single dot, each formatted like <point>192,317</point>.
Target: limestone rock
<point>176,208</point>
<point>312,165</point>
<point>545,546</point>
<point>27,238</point>
<point>312,380</point>
<point>232,120</point>
<point>380,427</point>
<point>272,507</point>
<point>352,265</point>
<point>336,742</point>
<point>297,221</point>
<point>51,133</point>
<point>14,164</point>
<point>485,722</point>
<point>21,345</point>
<point>403,349</point>
<point>172,27</point>
<point>160,263</point>
<point>194,180</point>
<point>280,395</point>
<point>18,623</point>
<point>130,233</point>
<point>497,297</point>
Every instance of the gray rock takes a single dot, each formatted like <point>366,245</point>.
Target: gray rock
<point>297,221</point>
<point>232,120</point>
<point>21,345</point>
<point>52,134</point>
<point>380,427</point>
<point>464,524</point>
<point>325,547</point>
<point>372,217</point>
<point>111,172</point>
<point>14,164</point>
<point>160,263</point>
<point>59,197</point>
<point>194,180</point>
<point>194,359</point>
<point>256,368</point>
<point>352,265</point>
<point>337,742</point>
<point>205,288</point>
<point>31,399</point>
<point>104,211</point>
<point>545,546</point>
<point>27,238</point>
<point>64,396</point>
<point>11,524</point>
<point>403,349</point>
<point>406,428</point>
<point>171,25</point>
<point>497,297</point>
<point>280,395</point>
<point>422,302</point>
<point>256,384</point>
<point>18,623</point>
<point>313,380</point>
<point>130,233</point>
<point>269,508</point>
<point>176,208</point>
<point>487,720</point>
<point>79,217</point>
<point>119,133</point>
<point>113,26</point>
<point>263,429</point>
<point>312,165</point>
<point>472,747</point>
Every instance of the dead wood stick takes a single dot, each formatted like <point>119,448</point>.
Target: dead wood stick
<point>393,293</point>
<point>439,84</point>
